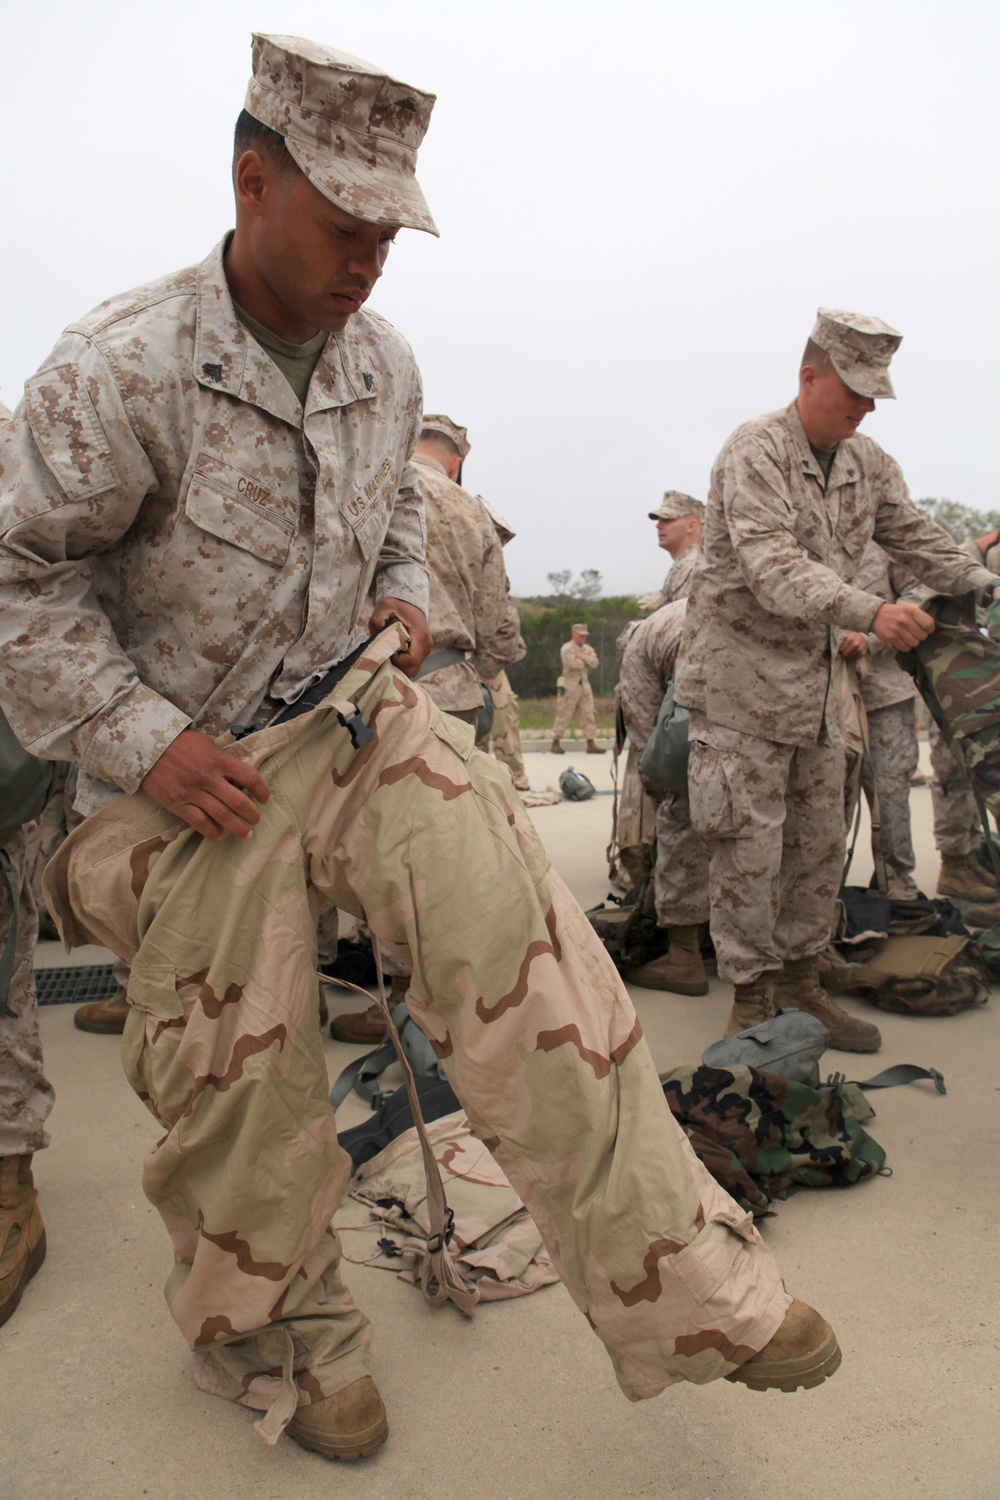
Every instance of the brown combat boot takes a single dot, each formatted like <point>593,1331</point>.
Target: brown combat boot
<point>22,1233</point>
<point>958,877</point>
<point>365,1027</point>
<point>105,1017</point>
<point>987,915</point>
<point>556,749</point>
<point>798,985</point>
<point>804,1352</point>
<point>752,1003</point>
<point>349,1424</point>
<point>361,1027</point>
<point>593,748</point>
<point>680,970</point>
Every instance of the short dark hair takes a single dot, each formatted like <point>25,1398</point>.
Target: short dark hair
<point>440,440</point>
<point>815,356</point>
<point>251,135</point>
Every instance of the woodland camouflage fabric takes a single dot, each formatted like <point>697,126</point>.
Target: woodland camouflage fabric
<point>178,539</point>
<point>470,609</point>
<point>884,682</point>
<point>779,557</point>
<point>958,827</point>
<point>763,1137</point>
<point>535,1031</point>
<point>957,670</point>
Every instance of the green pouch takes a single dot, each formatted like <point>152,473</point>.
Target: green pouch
<point>665,757</point>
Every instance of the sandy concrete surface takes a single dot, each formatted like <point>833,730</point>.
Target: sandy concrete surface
<point>97,1402</point>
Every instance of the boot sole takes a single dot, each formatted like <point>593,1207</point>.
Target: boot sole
<point>670,989</point>
<point>793,1375</point>
<point>31,1265</point>
<point>99,1030</point>
<point>360,1445</point>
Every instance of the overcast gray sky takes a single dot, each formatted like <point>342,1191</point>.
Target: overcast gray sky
<point>641,204</point>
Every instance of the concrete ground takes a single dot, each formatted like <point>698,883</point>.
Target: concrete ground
<point>521,1403</point>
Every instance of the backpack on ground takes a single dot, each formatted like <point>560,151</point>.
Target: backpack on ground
<point>628,930</point>
<point>763,1137</point>
<point>923,975</point>
<point>576,787</point>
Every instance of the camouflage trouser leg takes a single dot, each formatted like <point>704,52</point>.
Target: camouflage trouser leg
<point>957,826</point>
<point>25,1094</point>
<point>505,736</point>
<point>774,818</point>
<point>892,736</point>
<point>566,704</point>
<point>635,826</point>
<point>526,1010</point>
<point>682,866</point>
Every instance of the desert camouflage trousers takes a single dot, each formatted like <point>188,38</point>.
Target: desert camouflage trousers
<point>958,829</point>
<point>892,741</point>
<point>774,819</point>
<point>575,701</point>
<point>682,865</point>
<point>505,737</point>
<point>25,1094</point>
<point>523,1006</point>
<point>634,830</point>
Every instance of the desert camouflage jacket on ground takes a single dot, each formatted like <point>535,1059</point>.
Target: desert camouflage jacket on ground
<point>885,682</point>
<point>647,669</point>
<point>178,539</point>
<point>677,584</point>
<point>779,559</point>
<point>576,661</point>
<point>470,609</point>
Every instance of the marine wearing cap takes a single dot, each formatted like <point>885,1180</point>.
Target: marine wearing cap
<point>457,436</point>
<point>352,130</point>
<point>860,349</point>
<point>675,506</point>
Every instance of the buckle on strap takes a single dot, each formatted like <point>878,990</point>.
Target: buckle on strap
<point>437,1242</point>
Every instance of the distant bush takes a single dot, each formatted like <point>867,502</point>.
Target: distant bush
<point>545,625</point>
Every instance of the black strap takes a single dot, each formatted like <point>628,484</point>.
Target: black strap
<point>889,1078</point>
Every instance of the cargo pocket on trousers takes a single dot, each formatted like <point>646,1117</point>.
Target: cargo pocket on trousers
<point>457,735</point>
<point>154,990</point>
<point>704,1264</point>
<point>717,792</point>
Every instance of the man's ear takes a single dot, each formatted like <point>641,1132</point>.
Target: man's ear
<point>454,468</point>
<point>252,181</point>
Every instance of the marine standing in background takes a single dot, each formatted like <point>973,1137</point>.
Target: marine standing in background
<point>681,859</point>
<point>795,498</point>
<point>679,527</point>
<point>680,524</point>
<point>474,628</point>
<point>576,699</point>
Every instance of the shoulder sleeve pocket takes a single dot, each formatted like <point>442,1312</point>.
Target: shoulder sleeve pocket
<point>70,438</point>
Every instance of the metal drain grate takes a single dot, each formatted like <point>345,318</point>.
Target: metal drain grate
<point>74,986</point>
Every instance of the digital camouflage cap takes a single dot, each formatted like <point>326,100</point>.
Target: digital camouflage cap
<point>675,505</point>
<point>860,349</point>
<point>457,436</point>
<point>353,130</point>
